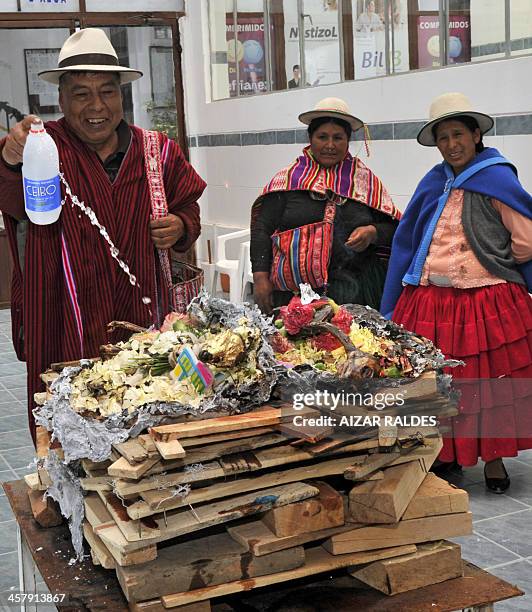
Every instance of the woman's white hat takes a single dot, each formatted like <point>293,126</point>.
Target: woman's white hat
<point>89,50</point>
<point>447,106</point>
<point>332,107</point>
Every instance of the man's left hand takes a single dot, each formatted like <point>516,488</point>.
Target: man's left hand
<point>165,232</point>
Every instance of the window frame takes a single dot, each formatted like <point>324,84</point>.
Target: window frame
<point>85,19</point>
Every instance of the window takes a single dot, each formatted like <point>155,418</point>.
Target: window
<point>321,42</point>
<point>369,44</point>
<point>221,40</point>
<point>459,32</point>
<point>520,27</point>
<point>9,6</point>
<point>250,53</point>
<point>239,61</point>
<point>285,46</point>
<point>43,6</point>
<point>135,5</point>
<point>259,46</point>
<point>27,52</point>
<point>162,75</point>
<point>398,26</point>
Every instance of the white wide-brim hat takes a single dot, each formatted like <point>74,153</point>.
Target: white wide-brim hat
<point>447,106</point>
<point>332,107</point>
<point>89,50</point>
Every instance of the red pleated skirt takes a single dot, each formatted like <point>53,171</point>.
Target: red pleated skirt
<point>490,329</point>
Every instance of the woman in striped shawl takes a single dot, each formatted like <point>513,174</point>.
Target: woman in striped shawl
<point>363,220</point>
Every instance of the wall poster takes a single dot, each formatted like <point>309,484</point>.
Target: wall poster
<point>428,40</point>
<point>248,51</point>
<point>43,97</point>
<point>321,46</point>
<point>370,37</point>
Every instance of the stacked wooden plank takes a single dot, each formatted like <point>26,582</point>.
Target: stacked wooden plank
<point>195,510</point>
<point>260,511</point>
<point>378,557</point>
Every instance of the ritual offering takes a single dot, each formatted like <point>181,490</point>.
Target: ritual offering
<point>350,341</point>
<point>179,462</point>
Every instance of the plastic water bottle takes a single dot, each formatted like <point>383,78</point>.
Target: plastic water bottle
<point>40,172</point>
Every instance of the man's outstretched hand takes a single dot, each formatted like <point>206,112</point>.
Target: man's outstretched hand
<point>16,139</point>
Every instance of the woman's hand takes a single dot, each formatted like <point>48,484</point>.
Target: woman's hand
<point>361,238</point>
<point>262,291</point>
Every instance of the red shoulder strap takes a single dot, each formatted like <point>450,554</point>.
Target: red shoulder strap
<point>159,205</point>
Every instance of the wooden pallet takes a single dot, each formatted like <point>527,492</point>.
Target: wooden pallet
<point>317,561</point>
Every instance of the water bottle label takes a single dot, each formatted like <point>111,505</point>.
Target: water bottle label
<point>42,196</point>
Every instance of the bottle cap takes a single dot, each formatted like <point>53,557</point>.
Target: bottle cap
<point>37,127</point>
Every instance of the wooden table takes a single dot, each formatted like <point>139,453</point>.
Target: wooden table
<point>89,587</point>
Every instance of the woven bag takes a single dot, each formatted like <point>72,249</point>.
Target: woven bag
<point>183,281</point>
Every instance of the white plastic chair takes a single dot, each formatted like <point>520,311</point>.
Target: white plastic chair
<point>230,267</point>
<point>245,268</point>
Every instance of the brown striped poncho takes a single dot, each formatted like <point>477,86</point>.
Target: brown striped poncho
<point>70,287</point>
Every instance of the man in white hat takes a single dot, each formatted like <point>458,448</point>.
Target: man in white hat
<point>66,285</point>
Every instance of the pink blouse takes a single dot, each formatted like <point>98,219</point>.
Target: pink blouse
<point>451,262</point>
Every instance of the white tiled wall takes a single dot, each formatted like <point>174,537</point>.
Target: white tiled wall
<point>518,150</point>
<point>236,174</point>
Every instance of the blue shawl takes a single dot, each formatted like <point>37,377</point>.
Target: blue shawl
<point>489,174</point>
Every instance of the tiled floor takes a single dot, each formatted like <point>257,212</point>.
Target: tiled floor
<point>501,543</point>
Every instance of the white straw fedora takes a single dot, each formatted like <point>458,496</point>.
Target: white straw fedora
<point>332,107</point>
<point>447,106</point>
<point>89,50</point>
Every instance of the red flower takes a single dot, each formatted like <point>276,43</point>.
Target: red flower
<point>342,319</point>
<point>326,342</point>
<point>296,315</point>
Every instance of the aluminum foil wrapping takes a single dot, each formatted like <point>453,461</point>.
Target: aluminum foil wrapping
<point>66,491</point>
<point>206,310</point>
<point>425,355</point>
<point>88,438</point>
<point>82,437</point>
<point>79,437</point>
<point>308,295</point>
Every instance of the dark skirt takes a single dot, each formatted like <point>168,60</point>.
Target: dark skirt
<point>490,329</point>
<point>350,286</point>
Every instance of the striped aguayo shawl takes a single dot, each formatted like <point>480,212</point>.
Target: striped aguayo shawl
<point>351,179</point>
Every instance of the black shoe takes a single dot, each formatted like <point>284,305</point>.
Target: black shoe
<point>497,485</point>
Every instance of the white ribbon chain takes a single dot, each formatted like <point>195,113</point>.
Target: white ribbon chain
<point>94,220</point>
